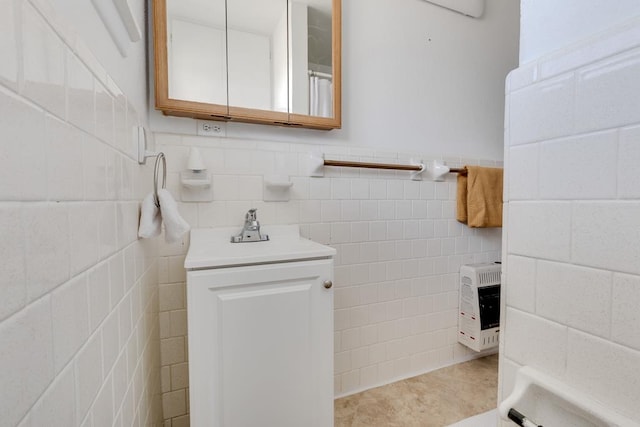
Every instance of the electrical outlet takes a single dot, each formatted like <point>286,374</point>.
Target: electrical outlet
<point>207,128</point>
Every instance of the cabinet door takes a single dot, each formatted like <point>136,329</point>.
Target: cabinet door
<point>261,345</point>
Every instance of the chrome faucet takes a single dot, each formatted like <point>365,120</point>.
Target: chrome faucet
<point>251,230</point>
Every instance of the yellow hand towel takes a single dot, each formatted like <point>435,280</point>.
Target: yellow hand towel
<point>479,195</point>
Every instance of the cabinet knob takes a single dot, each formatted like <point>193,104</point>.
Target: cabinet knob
<point>328,284</point>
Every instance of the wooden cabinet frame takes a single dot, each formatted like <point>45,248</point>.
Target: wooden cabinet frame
<point>200,110</point>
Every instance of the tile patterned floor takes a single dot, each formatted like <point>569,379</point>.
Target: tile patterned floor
<point>436,399</point>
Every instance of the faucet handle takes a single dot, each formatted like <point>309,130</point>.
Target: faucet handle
<point>251,214</point>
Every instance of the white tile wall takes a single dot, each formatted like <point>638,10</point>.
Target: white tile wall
<point>573,278</point>
<point>78,319</point>
<point>399,252</point>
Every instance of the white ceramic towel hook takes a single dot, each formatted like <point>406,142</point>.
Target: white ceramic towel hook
<point>436,170</point>
<point>140,135</point>
<point>417,175</point>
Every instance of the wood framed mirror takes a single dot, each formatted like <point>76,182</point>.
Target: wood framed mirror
<point>257,61</point>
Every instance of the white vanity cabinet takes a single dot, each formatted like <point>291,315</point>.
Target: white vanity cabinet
<point>261,335</point>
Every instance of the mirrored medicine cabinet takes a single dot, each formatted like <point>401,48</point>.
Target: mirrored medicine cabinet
<point>257,61</point>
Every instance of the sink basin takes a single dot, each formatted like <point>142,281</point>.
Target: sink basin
<point>211,248</point>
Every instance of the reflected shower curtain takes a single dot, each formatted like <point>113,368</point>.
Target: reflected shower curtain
<point>320,96</point>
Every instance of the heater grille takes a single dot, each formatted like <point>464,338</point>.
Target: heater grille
<point>489,278</point>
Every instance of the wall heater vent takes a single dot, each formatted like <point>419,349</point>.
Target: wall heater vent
<point>479,309</point>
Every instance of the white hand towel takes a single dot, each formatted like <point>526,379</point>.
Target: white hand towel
<point>174,225</point>
<point>150,219</point>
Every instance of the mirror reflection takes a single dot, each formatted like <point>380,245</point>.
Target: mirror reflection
<point>273,55</point>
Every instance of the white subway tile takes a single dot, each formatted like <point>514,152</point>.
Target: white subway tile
<point>535,341</point>
<point>443,190</point>
<point>27,359</point>
<point>8,44</point>
<point>120,379</point>
<point>411,229</point>
<point>520,285</point>
<point>104,114</point>
<point>110,341</point>
<point>395,190</point>
<point>102,410</point>
<point>43,63</point>
<point>579,167</point>
<point>360,189</point>
<point>94,169</point>
<point>88,374</point>
<point>411,190</point>
<point>127,215</point>
<point>122,134</point>
<point>350,210</point>
<point>340,188</point>
<point>523,172</point>
<point>80,95</point>
<point>320,188</point>
<point>70,320</point>
<point>419,248</point>
<point>309,211</point>
<point>320,233</point>
<point>56,407</point>
<point>249,188</point>
<point>574,296</point>
<point>521,77</point>
<point>540,230</point>
<point>628,159</point>
<point>434,209</point>
<point>174,404</point>
<point>607,371</point>
<point>13,285</point>
<point>387,209</point>
<point>440,228</point>
<point>542,111</point>
<point>64,161</point>
<point>340,232</point>
<point>172,350</point>
<point>47,247</point>
<point>350,254</point>
<point>427,190</point>
<point>342,362</point>
<point>113,168</point>
<point>179,376</point>
<point>615,40</point>
<point>419,209</point>
<point>359,231</point>
<point>116,279</point>
<point>426,229</point>
<point>608,93</point>
<point>125,322</point>
<point>624,310</point>
<point>107,233</point>
<point>83,227</point>
<point>403,209</point>
<point>23,172</point>
<point>378,189</point>
<point>98,282</point>
<point>604,235</point>
<point>330,210</point>
<point>395,230</point>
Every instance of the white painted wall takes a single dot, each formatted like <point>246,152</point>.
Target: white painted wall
<point>547,25</point>
<point>415,77</point>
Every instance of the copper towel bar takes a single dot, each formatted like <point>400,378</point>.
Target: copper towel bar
<point>389,166</point>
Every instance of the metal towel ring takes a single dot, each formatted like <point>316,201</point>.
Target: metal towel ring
<point>159,157</point>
